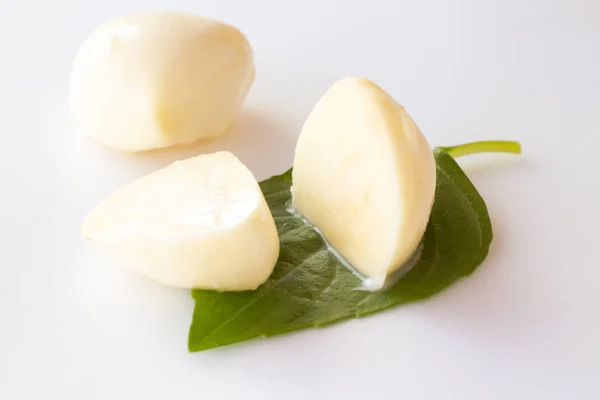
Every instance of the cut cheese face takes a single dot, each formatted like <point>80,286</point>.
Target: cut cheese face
<point>199,223</point>
<point>151,80</point>
<point>365,176</point>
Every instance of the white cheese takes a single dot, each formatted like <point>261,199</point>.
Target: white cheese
<point>198,223</point>
<point>365,176</point>
<point>152,80</point>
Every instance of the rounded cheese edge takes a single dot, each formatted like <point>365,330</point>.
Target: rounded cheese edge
<point>233,257</point>
<point>409,151</point>
<point>152,80</point>
<point>240,259</point>
<point>416,168</point>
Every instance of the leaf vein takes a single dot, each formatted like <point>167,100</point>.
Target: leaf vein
<point>260,295</point>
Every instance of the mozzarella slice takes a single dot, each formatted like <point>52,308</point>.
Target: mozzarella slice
<point>199,223</point>
<point>151,80</point>
<point>365,176</point>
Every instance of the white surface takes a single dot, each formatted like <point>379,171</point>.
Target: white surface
<point>525,326</point>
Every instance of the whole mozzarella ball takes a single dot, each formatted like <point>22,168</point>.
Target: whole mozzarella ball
<point>153,80</point>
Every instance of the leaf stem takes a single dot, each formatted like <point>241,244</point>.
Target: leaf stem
<point>490,146</point>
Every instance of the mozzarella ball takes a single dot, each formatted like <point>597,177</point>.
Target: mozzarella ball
<point>365,176</point>
<point>202,223</point>
<point>152,80</point>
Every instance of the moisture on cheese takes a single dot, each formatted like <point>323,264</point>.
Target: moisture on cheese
<point>199,223</point>
<point>151,80</point>
<point>365,176</point>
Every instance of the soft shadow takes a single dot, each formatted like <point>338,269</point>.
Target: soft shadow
<point>484,167</point>
<point>262,141</point>
<point>496,308</point>
<point>112,302</point>
<point>103,286</point>
<point>488,172</point>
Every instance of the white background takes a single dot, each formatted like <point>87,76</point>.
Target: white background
<point>526,325</point>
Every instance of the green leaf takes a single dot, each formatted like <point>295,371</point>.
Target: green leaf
<point>489,146</point>
<point>310,287</point>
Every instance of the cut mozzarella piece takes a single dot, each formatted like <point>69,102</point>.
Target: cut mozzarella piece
<point>365,176</point>
<point>151,80</point>
<point>199,223</point>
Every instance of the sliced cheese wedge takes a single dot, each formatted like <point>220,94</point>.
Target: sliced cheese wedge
<point>365,176</point>
<point>199,223</point>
